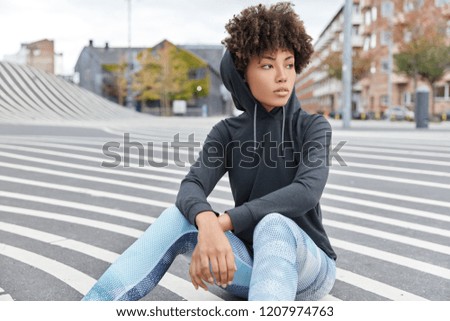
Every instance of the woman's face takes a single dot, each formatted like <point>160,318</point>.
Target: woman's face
<point>271,78</point>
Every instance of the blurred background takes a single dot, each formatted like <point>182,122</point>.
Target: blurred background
<point>115,48</point>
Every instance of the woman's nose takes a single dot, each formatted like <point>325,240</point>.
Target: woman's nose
<point>281,75</point>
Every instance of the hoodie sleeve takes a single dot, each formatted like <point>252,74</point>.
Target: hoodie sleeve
<point>203,176</point>
<point>304,192</point>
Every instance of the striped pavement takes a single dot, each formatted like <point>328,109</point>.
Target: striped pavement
<point>64,217</point>
<point>66,212</point>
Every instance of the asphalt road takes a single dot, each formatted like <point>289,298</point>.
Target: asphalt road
<point>64,217</point>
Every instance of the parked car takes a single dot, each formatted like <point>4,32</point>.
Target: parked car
<point>399,113</point>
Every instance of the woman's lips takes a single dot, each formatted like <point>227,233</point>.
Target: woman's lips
<point>281,91</point>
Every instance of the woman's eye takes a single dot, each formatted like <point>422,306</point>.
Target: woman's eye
<point>266,66</point>
<point>290,66</point>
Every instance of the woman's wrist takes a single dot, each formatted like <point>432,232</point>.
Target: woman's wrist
<point>205,218</point>
<point>225,222</point>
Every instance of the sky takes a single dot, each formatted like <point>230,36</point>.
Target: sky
<point>72,23</point>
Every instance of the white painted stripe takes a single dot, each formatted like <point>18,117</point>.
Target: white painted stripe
<point>376,287</point>
<point>399,169</point>
<point>87,191</point>
<point>80,206</point>
<point>105,180</point>
<point>94,251</point>
<point>72,277</point>
<point>392,258</point>
<point>329,297</point>
<point>397,136</point>
<point>388,195</point>
<point>6,297</point>
<point>385,220</point>
<point>387,207</point>
<point>393,151</point>
<point>389,236</point>
<point>101,169</point>
<point>97,159</point>
<point>91,178</point>
<point>396,159</point>
<point>171,282</point>
<point>72,219</point>
<point>402,146</point>
<point>391,179</point>
<point>186,289</point>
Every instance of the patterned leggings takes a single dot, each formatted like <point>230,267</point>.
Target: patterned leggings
<point>287,264</point>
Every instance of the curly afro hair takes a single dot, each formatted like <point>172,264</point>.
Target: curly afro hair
<point>258,29</point>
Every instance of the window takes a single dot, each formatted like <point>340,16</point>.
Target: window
<point>385,65</point>
<point>384,100</point>
<point>385,38</point>
<point>407,36</point>
<point>373,40</point>
<point>355,30</point>
<point>367,18</point>
<point>356,8</point>
<point>373,67</point>
<point>374,13</point>
<point>410,5</point>
<point>439,92</point>
<point>387,9</point>
<point>366,45</point>
<point>408,98</point>
<point>198,73</point>
<point>441,3</point>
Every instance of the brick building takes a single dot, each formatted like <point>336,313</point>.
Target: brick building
<point>373,24</point>
<point>39,54</point>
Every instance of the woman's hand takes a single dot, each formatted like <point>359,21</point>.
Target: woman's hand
<point>213,249</point>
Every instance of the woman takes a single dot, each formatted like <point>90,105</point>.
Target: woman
<point>272,244</point>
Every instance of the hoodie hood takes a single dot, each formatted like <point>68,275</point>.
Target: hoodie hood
<point>244,100</point>
<point>240,92</point>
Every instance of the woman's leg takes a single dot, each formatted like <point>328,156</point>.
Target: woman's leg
<point>244,263</point>
<point>287,263</point>
<point>139,269</point>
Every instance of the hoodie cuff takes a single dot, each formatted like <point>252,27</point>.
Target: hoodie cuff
<point>197,209</point>
<point>241,218</point>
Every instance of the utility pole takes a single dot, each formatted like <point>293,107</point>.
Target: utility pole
<point>130,61</point>
<point>347,65</point>
<point>390,15</point>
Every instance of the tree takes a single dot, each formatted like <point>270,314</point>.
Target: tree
<point>427,56</point>
<point>333,65</point>
<point>423,47</point>
<point>169,73</point>
<point>115,81</point>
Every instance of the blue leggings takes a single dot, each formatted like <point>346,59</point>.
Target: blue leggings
<point>287,264</point>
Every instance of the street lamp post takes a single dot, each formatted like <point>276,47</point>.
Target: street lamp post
<point>347,65</point>
<point>130,60</point>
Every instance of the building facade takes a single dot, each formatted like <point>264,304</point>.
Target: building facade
<point>39,54</point>
<point>91,74</point>
<point>374,24</point>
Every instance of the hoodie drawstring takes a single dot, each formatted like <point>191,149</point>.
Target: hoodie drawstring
<point>282,132</point>
<point>282,128</point>
<point>254,125</point>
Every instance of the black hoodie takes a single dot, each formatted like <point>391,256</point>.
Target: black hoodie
<point>277,162</point>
